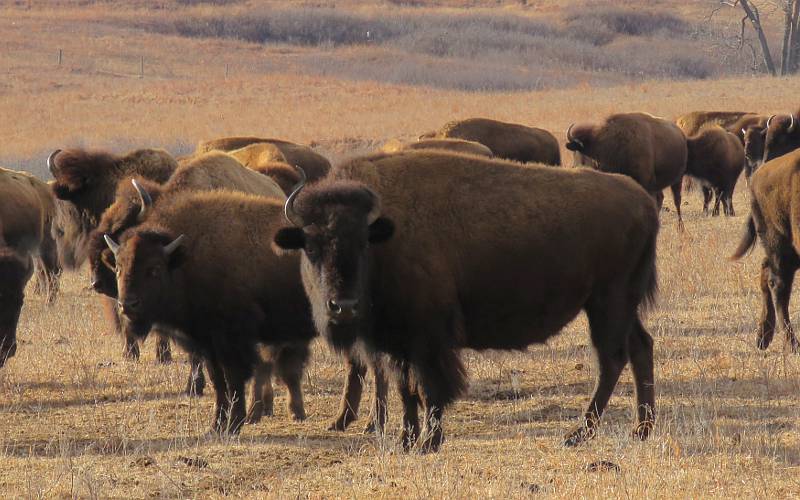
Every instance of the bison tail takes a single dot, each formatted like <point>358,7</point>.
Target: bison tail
<point>748,240</point>
<point>648,275</point>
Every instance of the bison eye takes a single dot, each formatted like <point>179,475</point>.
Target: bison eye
<point>153,272</point>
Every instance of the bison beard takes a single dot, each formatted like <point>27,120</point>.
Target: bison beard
<point>466,279</point>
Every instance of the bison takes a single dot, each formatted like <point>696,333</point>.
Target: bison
<point>715,158</point>
<point>200,264</point>
<point>453,145</point>
<point>753,138</point>
<point>783,135</point>
<point>774,220</point>
<point>691,123</point>
<point>249,149</point>
<point>506,140</point>
<point>27,211</point>
<point>420,254</point>
<point>649,149</point>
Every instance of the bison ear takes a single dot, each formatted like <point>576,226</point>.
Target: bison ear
<point>63,192</point>
<point>107,258</point>
<point>289,238</point>
<point>381,230</point>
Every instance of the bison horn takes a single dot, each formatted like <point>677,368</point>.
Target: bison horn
<point>769,120</point>
<point>173,245</point>
<point>572,139</point>
<point>288,207</point>
<point>744,132</point>
<point>144,197</point>
<point>373,214</point>
<point>112,245</point>
<point>791,123</point>
<point>51,166</point>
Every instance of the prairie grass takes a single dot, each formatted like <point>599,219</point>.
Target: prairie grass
<point>77,421</point>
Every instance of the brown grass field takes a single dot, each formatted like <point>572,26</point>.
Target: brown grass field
<point>78,421</point>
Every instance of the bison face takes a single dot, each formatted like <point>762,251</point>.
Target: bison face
<point>70,234</point>
<point>783,136</point>
<point>335,237</point>
<point>102,267</point>
<point>144,267</point>
<point>753,148</point>
<point>15,271</point>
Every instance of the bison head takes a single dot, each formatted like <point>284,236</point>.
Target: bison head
<point>335,225</point>
<point>15,271</point>
<point>783,136</point>
<point>753,138</point>
<point>579,138</point>
<point>69,230</point>
<point>144,264</point>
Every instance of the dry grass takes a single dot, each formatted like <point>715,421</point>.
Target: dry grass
<point>78,421</point>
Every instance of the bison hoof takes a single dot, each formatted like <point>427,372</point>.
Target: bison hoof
<point>408,439</point>
<point>341,423</point>
<point>194,389</point>
<point>579,436</point>
<point>164,357</point>
<point>762,342</point>
<point>371,428</point>
<point>131,352</point>
<point>643,430</point>
<point>433,442</point>
<point>298,415</point>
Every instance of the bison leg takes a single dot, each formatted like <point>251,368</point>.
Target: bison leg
<point>229,414</point>
<point>780,286</point>
<point>727,201</point>
<point>163,353</point>
<point>610,323</point>
<point>131,350</point>
<point>717,199</point>
<point>640,347</point>
<point>706,199</point>
<point>377,422</point>
<point>221,409</point>
<point>351,393</point>
<point>262,396</point>
<point>410,400</point>
<point>197,381</point>
<point>51,269</point>
<point>659,197</point>
<point>291,362</point>
<point>766,328</point>
<point>676,199</point>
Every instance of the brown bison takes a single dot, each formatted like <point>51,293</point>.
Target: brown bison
<point>247,149</point>
<point>691,123</point>
<point>88,180</point>
<point>452,145</point>
<point>715,158</point>
<point>27,210</point>
<point>753,138</point>
<point>200,264</point>
<point>783,135</point>
<point>480,254</point>
<point>206,172</point>
<point>775,220</point>
<point>505,140</point>
<point>649,149</point>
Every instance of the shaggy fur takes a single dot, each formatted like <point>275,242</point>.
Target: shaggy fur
<point>783,136</point>
<point>651,150</point>
<point>691,123</point>
<point>715,158</point>
<point>775,221</point>
<point>88,180</point>
<point>285,176</point>
<point>506,140</point>
<point>486,254</point>
<point>453,145</point>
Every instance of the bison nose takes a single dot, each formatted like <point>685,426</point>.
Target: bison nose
<point>129,305</point>
<point>343,309</point>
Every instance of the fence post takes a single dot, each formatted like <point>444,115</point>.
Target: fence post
<point>226,71</point>
<point>141,68</point>
<point>60,54</point>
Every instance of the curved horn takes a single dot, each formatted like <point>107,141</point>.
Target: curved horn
<point>744,132</point>
<point>144,197</point>
<point>769,120</point>
<point>373,214</point>
<point>288,207</point>
<point>51,166</point>
<point>791,123</point>
<point>173,245</point>
<point>572,139</point>
<point>112,245</point>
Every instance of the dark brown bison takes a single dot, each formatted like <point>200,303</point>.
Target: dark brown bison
<point>88,180</point>
<point>691,123</point>
<point>649,149</point>
<point>452,145</point>
<point>200,264</point>
<point>249,150</point>
<point>421,254</point>
<point>753,138</point>
<point>27,210</point>
<point>775,220</point>
<point>783,135</point>
<point>506,140</point>
<point>134,198</point>
<point>285,176</point>
<point>715,158</point>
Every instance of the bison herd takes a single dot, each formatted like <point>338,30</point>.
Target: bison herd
<point>244,251</point>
